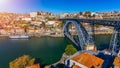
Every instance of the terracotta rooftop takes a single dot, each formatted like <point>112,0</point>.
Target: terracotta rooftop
<point>75,66</point>
<point>88,60</point>
<point>34,66</point>
<point>117,61</point>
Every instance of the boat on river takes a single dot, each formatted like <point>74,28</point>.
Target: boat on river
<point>19,37</point>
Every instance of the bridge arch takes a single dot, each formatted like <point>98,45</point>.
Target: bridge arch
<point>115,40</point>
<point>83,36</point>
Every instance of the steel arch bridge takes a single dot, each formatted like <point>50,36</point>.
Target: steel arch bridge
<point>85,38</point>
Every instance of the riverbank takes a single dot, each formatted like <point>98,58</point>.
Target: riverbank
<point>61,61</point>
<point>53,35</point>
<point>4,37</point>
<point>103,33</point>
<point>64,56</point>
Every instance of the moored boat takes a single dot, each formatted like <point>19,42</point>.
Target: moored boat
<point>19,37</point>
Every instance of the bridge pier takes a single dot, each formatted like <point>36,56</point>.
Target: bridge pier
<point>92,33</point>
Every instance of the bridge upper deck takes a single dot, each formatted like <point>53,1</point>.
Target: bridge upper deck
<point>113,23</point>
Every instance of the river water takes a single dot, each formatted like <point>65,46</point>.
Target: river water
<point>48,49</point>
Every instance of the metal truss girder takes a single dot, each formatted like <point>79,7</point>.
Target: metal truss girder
<point>82,34</point>
<point>115,41</point>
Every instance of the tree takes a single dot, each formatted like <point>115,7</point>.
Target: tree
<point>61,24</point>
<point>43,25</point>
<point>93,15</point>
<point>22,62</point>
<point>26,27</point>
<point>80,13</point>
<point>96,25</point>
<point>70,50</point>
<point>87,14</point>
<point>50,18</point>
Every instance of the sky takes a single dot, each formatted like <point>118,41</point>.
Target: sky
<point>59,6</point>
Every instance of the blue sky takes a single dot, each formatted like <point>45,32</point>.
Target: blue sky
<point>60,6</point>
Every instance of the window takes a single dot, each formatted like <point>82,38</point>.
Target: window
<point>98,65</point>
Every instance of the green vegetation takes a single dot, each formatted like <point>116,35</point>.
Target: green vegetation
<point>96,25</point>
<point>70,50</point>
<point>87,14</point>
<point>51,18</point>
<point>22,62</point>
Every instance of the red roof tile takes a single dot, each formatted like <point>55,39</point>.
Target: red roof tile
<point>88,60</point>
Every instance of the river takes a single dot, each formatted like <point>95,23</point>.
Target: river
<point>48,49</point>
